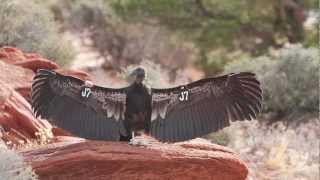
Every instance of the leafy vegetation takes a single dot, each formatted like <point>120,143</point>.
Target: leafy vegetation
<point>120,43</point>
<point>289,78</point>
<point>249,26</point>
<point>30,26</point>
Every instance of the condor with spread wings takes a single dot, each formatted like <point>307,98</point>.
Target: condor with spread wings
<point>170,115</point>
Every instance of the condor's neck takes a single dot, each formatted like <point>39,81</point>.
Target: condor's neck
<point>137,85</point>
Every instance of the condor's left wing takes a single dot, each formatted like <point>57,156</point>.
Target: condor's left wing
<point>196,109</point>
<point>92,113</point>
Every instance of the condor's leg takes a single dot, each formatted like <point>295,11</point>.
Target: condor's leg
<point>133,141</point>
<point>138,124</point>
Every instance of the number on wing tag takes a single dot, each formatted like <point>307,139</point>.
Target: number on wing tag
<point>85,93</point>
<point>184,95</point>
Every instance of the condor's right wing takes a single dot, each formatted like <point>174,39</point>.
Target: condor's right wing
<point>207,105</point>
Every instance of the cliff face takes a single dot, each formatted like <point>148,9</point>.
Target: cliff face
<point>56,156</point>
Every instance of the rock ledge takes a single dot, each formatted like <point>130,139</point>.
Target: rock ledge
<point>75,158</point>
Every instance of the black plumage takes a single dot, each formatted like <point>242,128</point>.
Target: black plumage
<point>170,115</point>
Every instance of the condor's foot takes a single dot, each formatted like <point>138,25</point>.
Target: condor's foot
<point>138,142</point>
<point>141,140</point>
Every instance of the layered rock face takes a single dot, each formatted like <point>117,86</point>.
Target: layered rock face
<point>55,154</point>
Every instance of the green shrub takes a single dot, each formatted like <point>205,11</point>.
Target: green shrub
<point>30,27</point>
<point>289,78</point>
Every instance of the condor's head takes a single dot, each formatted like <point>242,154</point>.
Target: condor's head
<point>138,75</point>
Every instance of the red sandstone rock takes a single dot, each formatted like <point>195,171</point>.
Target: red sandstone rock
<point>14,76</point>
<point>11,55</point>
<point>78,74</point>
<point>18,78</point>
<point>18,120</point>
<point>25,92</point>
<point>37,63</point>
<point>60,132</point>
<point>16,117</point>
<point>34,62</point>
<point>74,158</point>
<point>3,55</point>
<point>32,56</point>
<point>15,112</point>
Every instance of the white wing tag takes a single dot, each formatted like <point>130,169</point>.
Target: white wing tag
<point>184,95</point>
<point>85,93</point>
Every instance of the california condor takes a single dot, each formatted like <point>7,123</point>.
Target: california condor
<point>170,115</point>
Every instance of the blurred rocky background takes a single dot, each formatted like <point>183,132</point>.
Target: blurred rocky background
<point>177,42</point>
